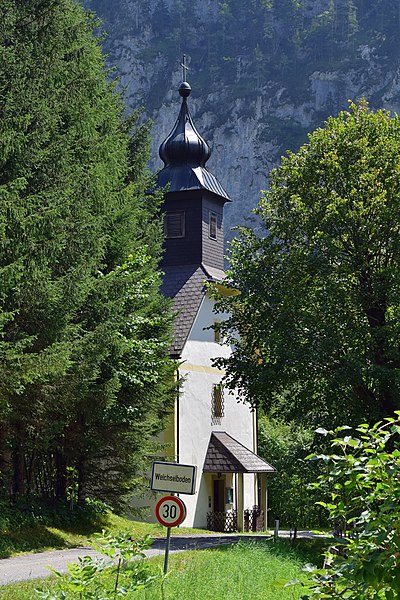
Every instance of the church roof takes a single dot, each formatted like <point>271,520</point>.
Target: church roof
<point>227,455</point>
<point>184,154</point>
<point>184,177</point>
<point>185,284</point>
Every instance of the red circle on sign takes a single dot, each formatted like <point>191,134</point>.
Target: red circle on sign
<point>170,511</point>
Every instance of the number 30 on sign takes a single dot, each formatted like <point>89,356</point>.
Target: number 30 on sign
<point>170,511</point>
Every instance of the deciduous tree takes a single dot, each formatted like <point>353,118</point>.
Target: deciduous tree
<point>363,475</point>
<point>318,313</point>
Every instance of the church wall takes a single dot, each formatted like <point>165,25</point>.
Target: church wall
<point>195,424</point>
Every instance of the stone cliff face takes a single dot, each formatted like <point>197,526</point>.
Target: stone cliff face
<point>263,74</point>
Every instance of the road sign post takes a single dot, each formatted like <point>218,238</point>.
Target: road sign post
<point>170,512</point>
<point>174,478</point>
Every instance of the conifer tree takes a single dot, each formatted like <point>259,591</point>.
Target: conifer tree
<point>84,368</point>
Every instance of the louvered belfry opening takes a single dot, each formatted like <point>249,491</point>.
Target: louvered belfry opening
<point>174,224</point>
<point>212,225</point>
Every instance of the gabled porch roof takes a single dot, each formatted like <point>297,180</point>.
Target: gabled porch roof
<point>227,455</point>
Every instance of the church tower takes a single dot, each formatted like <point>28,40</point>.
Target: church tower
<point>193,206</point>
<point>209,428</point>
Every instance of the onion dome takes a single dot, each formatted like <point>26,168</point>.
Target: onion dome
<point>184,145</point>
<point>184,154</point>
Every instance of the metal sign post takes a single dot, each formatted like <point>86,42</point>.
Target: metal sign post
<point>174,478</point>
<point>167,547</point>
<point>170,512</point>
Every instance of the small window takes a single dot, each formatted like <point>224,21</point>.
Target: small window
<point>217,404</point>
<point>212,226</point>
<point>217,332</point>
<point>174,224</point>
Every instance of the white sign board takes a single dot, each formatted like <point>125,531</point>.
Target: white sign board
<point>173,477</point>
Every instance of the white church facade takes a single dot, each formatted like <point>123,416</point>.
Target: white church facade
<point>209,428</point>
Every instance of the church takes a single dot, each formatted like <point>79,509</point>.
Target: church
<point>209,428</point>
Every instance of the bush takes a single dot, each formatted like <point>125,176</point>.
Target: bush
<point>364,478</point>
<point>30,513</point>
<point>286,446</point>
<point>114,577</point>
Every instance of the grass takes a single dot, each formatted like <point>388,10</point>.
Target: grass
<point>40,537</point>
<point>244,571</point>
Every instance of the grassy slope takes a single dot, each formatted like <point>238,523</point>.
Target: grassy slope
<point>44,537</point>
<point>247,571</point>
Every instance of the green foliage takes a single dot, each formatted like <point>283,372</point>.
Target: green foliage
<point>318,312</point>
<point>364,476</point>
<point>247,571</point>
<point>85,578</point>
<point>286,446</point>
<point>28,514</point>
<point>84,333</point>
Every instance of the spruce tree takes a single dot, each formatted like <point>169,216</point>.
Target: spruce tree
<point>84,368</point>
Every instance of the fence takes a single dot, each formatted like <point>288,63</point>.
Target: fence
<point>253,519</point>
<point>222,521</point>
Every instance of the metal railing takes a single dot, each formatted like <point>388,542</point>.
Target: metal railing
<point>225,521</point>
<point>253,519</point>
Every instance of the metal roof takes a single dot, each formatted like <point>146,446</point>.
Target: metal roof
<point>182,178</point>
<point>227,455</point>
<point>184,154</point>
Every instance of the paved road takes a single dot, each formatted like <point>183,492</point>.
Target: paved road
<point>35,566</point>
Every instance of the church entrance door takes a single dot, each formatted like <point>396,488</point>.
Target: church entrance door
<point>219,495</point>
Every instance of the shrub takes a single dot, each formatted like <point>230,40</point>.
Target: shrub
<point>364,478</point>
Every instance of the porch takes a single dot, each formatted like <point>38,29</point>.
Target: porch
<point>230,467</point>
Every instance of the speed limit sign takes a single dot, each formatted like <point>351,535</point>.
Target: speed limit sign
<point>170,511</point>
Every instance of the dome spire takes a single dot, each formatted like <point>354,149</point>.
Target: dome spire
<point>184,152</point>
<point>184,145</point>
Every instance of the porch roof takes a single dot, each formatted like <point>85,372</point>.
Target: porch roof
<point>227,455</point>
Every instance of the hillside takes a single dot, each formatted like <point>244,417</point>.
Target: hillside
<point>263,72</point>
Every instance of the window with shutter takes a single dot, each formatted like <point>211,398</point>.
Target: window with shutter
<point>217,404</point>
<point>212,226</point>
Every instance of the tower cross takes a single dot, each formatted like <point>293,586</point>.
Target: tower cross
<point>184,67</point>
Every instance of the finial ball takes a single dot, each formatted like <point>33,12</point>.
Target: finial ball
<point>184,89</point>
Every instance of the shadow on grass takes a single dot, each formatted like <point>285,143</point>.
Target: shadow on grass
<point>85,526</point>
<point>29,539</point>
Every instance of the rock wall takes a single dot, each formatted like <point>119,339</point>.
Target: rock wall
<point>252,98</point>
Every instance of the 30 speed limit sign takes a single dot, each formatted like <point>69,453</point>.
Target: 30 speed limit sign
<point>170,511</point>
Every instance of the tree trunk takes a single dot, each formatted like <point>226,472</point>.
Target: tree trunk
<point>375,311</point>
<point>81,468</point>
<point>18,487</point>
<point>61,475</point>
<point>5,460</point>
